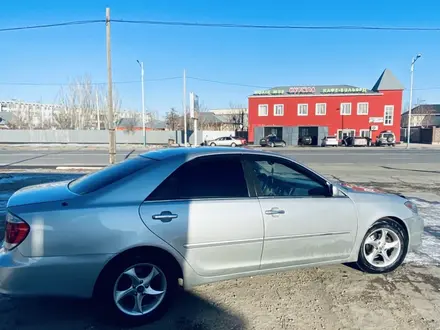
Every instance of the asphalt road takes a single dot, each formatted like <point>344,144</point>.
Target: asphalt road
<point>85,157</point>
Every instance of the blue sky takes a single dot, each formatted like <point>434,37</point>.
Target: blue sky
<point>252,57</point>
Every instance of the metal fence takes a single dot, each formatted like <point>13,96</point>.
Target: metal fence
<point>101,137</point>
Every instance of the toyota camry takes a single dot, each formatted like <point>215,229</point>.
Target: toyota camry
<point>131,234</point>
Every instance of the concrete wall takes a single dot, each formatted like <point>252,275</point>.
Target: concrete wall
<point>101,137</point>
<point>290,135</point>
<point>436,135</point>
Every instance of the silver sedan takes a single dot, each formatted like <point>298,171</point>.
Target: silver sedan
<point>130,234</point>
<point>226,141</point>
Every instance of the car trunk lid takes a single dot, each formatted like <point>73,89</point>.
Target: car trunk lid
<point>48,192</point>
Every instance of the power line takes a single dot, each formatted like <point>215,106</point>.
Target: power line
<point>44,26</point>
<point>96,83</point>
<point>168,78</point>
<point>226,83</point>
<point>278,27</point>
<point>228,25</point>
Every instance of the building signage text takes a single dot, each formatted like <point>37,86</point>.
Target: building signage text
<point>376,120</point>
<point>270,92</point>
<point>302,90</point>
<point>312,90</point>
<point>343,90</point>
<point>291,90</point>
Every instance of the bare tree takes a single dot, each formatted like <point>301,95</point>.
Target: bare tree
<point>172,119</point>
<point>238,114</point>
<point>206,119</point>
<point>81,101</point>
<point>21,119</point>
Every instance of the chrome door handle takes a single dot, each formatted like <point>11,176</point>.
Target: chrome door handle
<point>274,210</point>
<point>165,216</point>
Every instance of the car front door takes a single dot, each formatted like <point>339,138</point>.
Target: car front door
<point>303,223</point>
<point>221,141</point>
<point>204,210</point>
<point>227,141</point>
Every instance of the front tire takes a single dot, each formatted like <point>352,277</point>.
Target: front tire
<point>233,145</point>
<point>383,248</point>
<point>137,290</point>
<point>212,144</point>
<point>272,145</point>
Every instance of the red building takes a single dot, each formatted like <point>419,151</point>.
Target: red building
<point>337,110</point>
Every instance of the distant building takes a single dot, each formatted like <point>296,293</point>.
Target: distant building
<point>424,115</point>
<point>292,112</point>
<point>238,116</point>
<point>32,112</point>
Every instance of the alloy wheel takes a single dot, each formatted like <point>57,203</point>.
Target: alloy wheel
<point>140,289</point>
<point>382,248</point>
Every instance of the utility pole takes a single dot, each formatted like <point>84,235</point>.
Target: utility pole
<point>184,108</point>
<point>410,99</point>
<point>97,110</point>
<point>111,124</point>
<point>143,103</point>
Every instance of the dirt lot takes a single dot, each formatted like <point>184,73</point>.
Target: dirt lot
<point>334,297</point>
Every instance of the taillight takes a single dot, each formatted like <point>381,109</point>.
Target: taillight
<point>15,232</point>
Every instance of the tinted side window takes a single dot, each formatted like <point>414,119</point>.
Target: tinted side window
<point>205,177</point>
<point>278,179</point>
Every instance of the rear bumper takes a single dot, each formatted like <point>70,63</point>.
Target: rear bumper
<point>72,276</point>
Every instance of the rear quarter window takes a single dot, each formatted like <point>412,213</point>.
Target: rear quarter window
<point>98,180</point>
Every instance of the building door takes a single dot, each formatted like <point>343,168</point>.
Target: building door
<point>311,131</point>
<point>277,131</point>
<point>343,133</point>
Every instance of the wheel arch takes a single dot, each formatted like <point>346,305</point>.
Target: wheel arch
<point>138,250</point>
<point>398,221</point>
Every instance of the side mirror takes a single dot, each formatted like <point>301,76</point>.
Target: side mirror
<point>332,190</point>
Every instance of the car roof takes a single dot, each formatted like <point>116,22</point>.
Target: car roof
<point>188,153</point>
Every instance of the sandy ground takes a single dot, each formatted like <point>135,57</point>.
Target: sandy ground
<point>333,297</point>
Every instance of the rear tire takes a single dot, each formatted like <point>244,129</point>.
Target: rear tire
<point>283,144</point>
<point>379,254</point>
<point>165,279</point>
<point>272,145</point>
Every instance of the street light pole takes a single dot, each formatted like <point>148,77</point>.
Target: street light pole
<point>185,132</point>
<point>141,64</point>
<point>410,99</point>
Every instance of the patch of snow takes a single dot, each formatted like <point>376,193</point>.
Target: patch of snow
<point>429,252</point>
<point>5,179</point>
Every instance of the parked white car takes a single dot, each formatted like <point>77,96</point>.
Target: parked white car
<point>329,141</point>
<point>226,141</point>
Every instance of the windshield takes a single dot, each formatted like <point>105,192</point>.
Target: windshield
<point>98,180</point>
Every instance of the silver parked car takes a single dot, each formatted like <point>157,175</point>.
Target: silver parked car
<point>225,141</point>
<point>129,234</point>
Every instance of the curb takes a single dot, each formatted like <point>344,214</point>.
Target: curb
<point>79,168</point>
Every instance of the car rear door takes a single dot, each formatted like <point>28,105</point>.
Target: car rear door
<point>204,211</point>
<point>302,223</point>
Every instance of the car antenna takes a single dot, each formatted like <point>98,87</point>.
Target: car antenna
<point>128,155</point>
